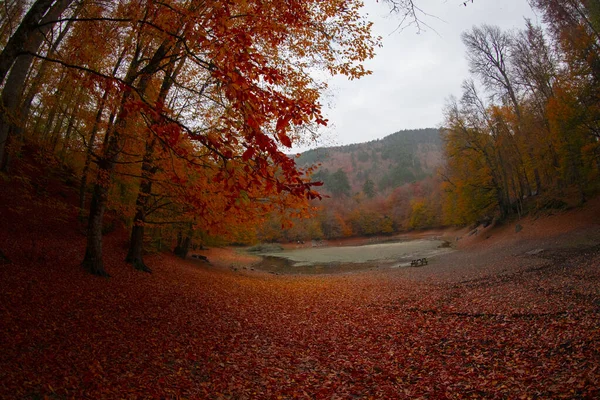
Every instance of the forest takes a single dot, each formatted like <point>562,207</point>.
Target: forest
<point>175,120</point>
<point>376,188</point>
<point>146,144</point>
<point>524,133</point>
<point>522,136</point>
<point>184,142</point>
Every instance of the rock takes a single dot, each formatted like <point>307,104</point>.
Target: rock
<point>518,228</point>
<point>534,252</point>
<point>200,257</point>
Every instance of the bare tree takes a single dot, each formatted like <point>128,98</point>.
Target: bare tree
<point>488,49</point>
<point>534,62</point>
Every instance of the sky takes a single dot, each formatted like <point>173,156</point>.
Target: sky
<point>414,73</point>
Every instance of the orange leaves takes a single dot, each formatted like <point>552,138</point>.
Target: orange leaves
<point>203,100</point>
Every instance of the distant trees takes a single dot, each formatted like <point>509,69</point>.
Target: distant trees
<point>409,199</point>
<point>17,57</point>
<point>369,188</point>
<point>338,183</point>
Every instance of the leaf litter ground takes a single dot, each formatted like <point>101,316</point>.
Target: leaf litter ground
<point>485,322</point>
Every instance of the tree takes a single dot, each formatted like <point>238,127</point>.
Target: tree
<point>338,184</point>
<point>541,121</point>
<point>487,53</point>
<point>263,96</point>
<point>369,188</point>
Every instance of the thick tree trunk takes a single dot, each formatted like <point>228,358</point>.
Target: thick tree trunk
<point>19,39</point>
<point>135,254</point>
<point>9,102</point>
<point>114,144</point>
<point>92,261</point>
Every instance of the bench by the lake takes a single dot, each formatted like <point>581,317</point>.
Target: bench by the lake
<point>418,262</point>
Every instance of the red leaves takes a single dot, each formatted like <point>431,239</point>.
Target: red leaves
<point>459,328</point>
<point>248,154</point>
<point>282,123</point>
<point>284,139</point>
<point>199,332</point>
<point>281,127</point>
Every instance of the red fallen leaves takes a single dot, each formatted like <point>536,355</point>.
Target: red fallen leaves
<point>187,331</point>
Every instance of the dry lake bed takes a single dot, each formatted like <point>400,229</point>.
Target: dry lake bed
<point>333,259</point>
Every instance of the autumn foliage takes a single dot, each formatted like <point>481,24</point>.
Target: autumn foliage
<point>523,135</point>
<point>134,126</point>
<point>175,114</point>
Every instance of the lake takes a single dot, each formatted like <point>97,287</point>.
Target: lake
<point>349,258</point>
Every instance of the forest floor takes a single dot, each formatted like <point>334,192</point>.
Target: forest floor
<point>509,315</point>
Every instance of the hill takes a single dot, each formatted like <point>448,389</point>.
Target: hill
<point>379,165</point>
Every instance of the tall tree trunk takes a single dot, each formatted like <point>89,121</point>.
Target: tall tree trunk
<point>93,261</point>
<point>37,80</point>
<point>54,137</point>
<point>18,41</point>
<point>90,151</point>
<point>70,126</point>
<point>136,244</point>
<point>135,254</point>
<point>94,132</point>
<point>93,257</point>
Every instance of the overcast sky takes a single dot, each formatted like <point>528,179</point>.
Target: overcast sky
<point>413,73</point>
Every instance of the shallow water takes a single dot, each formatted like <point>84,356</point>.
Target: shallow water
<point>348,258</point>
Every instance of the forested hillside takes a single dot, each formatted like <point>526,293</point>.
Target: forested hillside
<point>379,187</point>
<point>522,137</point>
<point>376,166</point>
